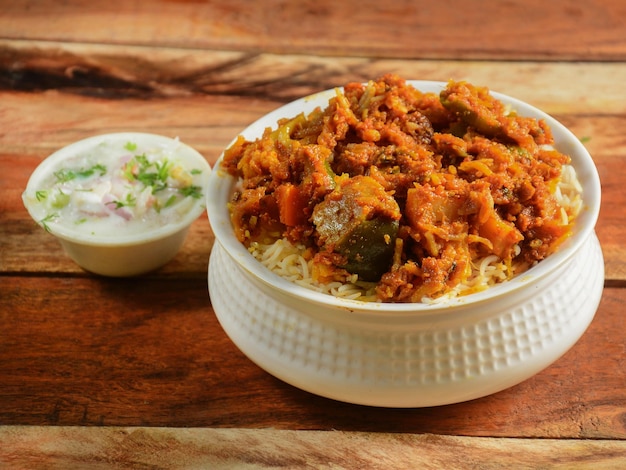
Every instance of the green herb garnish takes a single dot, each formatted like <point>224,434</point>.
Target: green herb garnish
<point>129,201</point>
<point>163,169</point>
<point>41,195</point>
<point>149,174</point>
<point>193,191</point>
<point>49,218</point>
<point>65,174</point>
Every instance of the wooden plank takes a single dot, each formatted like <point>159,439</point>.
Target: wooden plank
<point>126,72</point>
<point>530,29</point>
<point>150,352</point>
<point>69,447</point>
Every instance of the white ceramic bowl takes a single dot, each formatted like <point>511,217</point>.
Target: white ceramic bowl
<point>408,355</point>
<point>119,253</point>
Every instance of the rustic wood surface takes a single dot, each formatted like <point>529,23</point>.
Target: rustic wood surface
<point>139,372</point>
<point>72,447</point>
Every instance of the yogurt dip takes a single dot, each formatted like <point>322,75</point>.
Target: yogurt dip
<point>117,186</point>
<point>119,204</point>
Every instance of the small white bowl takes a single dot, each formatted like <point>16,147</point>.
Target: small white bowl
<point>408,355</point>
<point>116,252</point>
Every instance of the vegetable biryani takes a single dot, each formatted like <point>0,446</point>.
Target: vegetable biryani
<point>397,195</point>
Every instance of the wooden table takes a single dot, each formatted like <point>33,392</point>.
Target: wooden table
<point>137,373</point>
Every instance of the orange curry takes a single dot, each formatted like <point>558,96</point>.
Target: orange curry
<point>404,188</point>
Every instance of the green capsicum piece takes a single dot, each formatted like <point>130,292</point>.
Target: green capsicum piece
<point>359,220</point>
<point>369,247</point>
<point>474,106</point>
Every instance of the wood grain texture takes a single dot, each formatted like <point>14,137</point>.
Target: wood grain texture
<point>164,448</point>
<point>110,373</point>
<point>206,98</point>
<point>152,353</point>
<point>468,29</point>
<point>123,71</point>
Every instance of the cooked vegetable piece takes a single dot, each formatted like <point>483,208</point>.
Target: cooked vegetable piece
<point>254,215</point>
<point>318,178</point>
<point>503,236</point>
<point>360,221</point>
<point>292,204</point>
<point>474,106</point>
<point>369,248</point>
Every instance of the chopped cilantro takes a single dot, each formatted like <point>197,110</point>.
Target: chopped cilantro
<point>41,195</point>
<point>65,174</point>
<point>129,201</point>
<point>49,218</point>
<point>163,169</point>
<point>131,146</point>
<point>142,160</point>
<point>193,191</point>
<point>147,178</point>
<point>152,174</point>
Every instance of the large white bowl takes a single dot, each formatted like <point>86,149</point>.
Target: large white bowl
<point>122,254</point>
<point>408,355</point>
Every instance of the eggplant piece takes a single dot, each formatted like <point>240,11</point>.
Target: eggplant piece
<point>359,220</point>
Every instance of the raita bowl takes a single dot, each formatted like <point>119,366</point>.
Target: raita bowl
<point>408,354</point>
<point>112,237</point>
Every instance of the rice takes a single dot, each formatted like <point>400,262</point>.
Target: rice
<point>286,260</point>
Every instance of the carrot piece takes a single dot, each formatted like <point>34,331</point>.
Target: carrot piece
<point>292,204</point>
